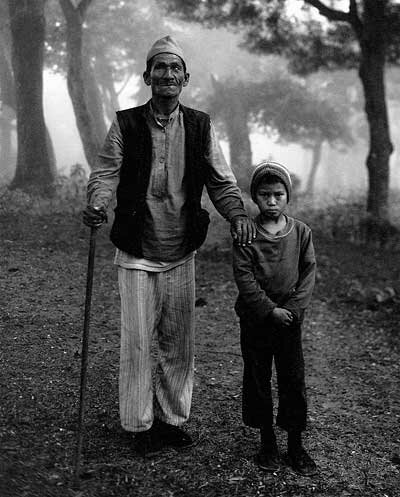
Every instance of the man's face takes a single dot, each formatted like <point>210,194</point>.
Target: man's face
<point>167,76</point>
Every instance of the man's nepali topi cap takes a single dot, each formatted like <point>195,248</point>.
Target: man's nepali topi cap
<point>270,168</point>
<point>165,45</point>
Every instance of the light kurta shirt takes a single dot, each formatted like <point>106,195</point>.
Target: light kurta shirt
<point>163,241</point>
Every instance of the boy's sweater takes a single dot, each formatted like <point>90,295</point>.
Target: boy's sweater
<point>275,271</point>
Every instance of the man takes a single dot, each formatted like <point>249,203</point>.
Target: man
<point>158,157</point>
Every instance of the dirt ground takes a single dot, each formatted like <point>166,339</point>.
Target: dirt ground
<point>352,352</point>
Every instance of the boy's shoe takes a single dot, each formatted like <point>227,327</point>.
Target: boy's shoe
<point>172,436</point>
<point>301,462</point>
<point>268,459</point>
<point>147,443</point>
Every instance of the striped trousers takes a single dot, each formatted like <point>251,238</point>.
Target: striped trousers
<point>160,305</point>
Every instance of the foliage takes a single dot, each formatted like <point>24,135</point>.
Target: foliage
<point>335,218</point>
<point>299,113</point>
<point>69,196</point>
<point>285,108</point>
<point>365,35</point>
<point>309,42</point>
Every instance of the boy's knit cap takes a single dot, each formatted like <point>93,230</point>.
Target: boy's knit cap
<point>165,45</point>
<point>270,168</point>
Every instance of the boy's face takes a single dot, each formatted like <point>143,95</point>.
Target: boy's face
<point>271,199</point>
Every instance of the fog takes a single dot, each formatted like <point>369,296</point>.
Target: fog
<point>61,121</point>
<point>216,52</point>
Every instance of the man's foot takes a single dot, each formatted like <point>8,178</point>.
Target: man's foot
<point>172,435</point>
<point>147,443</point>
<point>301,462</point>
<point>268,459</point>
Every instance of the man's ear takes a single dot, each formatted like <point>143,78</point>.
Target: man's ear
<point>186,80</point>
<point>146,78</point>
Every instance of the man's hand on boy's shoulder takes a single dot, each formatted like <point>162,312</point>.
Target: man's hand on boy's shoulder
<point>282,316</point>
<point>243,230</point>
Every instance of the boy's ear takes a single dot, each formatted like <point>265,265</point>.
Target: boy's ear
<point>146,78</point>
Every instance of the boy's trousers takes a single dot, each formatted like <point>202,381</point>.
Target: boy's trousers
<point>260,346</point>
<point>159,304</point>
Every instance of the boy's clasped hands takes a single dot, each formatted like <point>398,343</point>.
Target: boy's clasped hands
<point>281,316</point>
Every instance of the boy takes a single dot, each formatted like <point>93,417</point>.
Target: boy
<point>275,277</point>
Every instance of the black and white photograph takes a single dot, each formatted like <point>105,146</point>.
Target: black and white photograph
<point>200,248</point>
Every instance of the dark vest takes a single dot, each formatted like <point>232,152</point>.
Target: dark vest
<point>127,230</point>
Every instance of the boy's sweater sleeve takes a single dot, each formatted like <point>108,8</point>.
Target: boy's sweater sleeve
<point>251,295</point>
<point>300,299</point>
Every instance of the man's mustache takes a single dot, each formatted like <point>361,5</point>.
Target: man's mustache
<point>169,82</point>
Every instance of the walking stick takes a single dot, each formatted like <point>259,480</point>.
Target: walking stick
<point>85,348</point>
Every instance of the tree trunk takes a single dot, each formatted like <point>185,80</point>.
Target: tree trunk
<point>7,112</point>
<point>372,75</point>
<point>7,86</point>
<point>237,128</point>
<point>77,77</point>
<point>104,76</point>
<point>94,97</point>
<point>7,157</point>
<point>316,158</point>
<point>34,171</point>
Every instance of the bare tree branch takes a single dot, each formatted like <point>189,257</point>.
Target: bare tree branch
<point>125,83</point>
<point>328,12</point>
<point>80,4</point>
<point>355,18</point>
<point>84,4</point>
